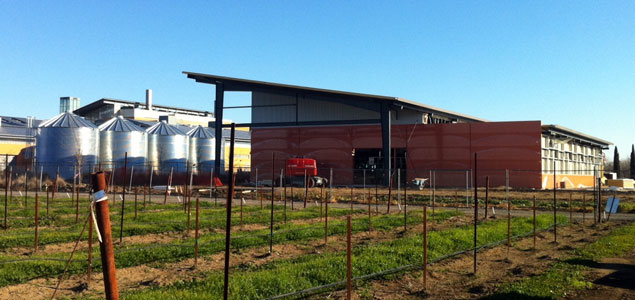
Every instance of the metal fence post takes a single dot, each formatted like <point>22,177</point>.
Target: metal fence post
<point>509,209</point>
<point>196,237</point>
<point>273,174</point>
<point>349,266</point>
<point>425,244</point>
<point>534,209</point>
<point>475,206</point>
<point>37,220</point>
<point>228,225</point>
<point>486,196</point>
<point>555,221</point>
<point>123,195</point>
<point>326,213</point>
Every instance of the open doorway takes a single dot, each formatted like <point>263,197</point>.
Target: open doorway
<point>371,160</point>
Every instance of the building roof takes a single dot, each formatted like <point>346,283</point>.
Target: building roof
<point>17,121</point>
<point>104,101</point>
<point>244,85</point>
<point>66,120</point>
<point>119,124</point>
<point>570,133</point>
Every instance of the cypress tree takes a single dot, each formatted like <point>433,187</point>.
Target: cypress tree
<point>616,162</point>
<point>633,162</point>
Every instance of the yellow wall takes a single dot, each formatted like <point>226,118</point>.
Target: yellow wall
<point>242,156</point>
<point>570,181</point>
<point>12,149</point>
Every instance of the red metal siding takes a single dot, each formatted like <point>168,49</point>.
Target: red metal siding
<point>501,145</point>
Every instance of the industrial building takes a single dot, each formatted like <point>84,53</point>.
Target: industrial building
<point>353,132</point>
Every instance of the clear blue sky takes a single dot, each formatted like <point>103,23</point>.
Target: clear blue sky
<point>562,62</point>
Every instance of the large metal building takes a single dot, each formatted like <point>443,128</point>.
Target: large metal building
<point>353,132</point>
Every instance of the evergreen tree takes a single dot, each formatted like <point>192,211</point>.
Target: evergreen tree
<point>616,162</point>
<point>633,161</point>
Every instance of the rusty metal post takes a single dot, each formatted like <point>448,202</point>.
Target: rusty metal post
<point>26,187</point>
<point>599,204</point>
<point>273,175</point>
<point>326,210</point>
<point>106,245</point>
<point>352,197</point>
<point>583,208</point>
<point>189,209</point>
<point>405,204</point>
<point>6,188</point>
<point>389,191</point>
<point>486,196</point>
<point>11,182</point>
<point>425,244</point>
<point>76,204</point>
<point>47,201</point>
<point>509,212</point>
<point>136,191</point>
<point>228,225</point>
<point>306,189</point>
<point>555,221</point>
<point>349,267</point>
<point>123,198</point>
<point>283,185</point>
<point>90,248</point>
<point>241,205</point>
<point>370,218</point>
<point>534,209</point>
<point>150,189</point>
<point>37,220</point>
<point>196,236</point>
<point>570,210</point>
<point>475,206</point>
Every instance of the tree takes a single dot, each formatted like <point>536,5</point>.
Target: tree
<point>616,162</point>
<point>632,167</point>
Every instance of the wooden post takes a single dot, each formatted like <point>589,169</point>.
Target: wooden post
<point>486,196</point>
<point>570,210</point>
<point>555,221</point>
<point>196,237</point>
<point>123,195</point>
<point>509,212</point>
<point>136,190</point>
<point>273,175</point>
<point>425,244</point>
<point>583,208</point>
<point>475,206</point>
<point>106,246</point>
<point>90,248</point>
<point>37,219</point>
<point>349,266</point>
<point>534,209</point>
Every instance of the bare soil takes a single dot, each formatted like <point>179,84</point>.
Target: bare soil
<point>454,278</point>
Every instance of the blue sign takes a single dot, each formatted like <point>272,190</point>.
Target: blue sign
<point>612,204</point>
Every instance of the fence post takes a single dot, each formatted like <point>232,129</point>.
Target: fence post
<point>123,195</point>
<point>326,206</point>
<point>283,189</point>
<point>486,196</point>
<point>389,191</point>
<point>273,164</point>
<point>475,206</point>
<point>583,208</point>
<point>228,225</point>
<point>37,219</point>
<point>6,188</point>
<point>90,248</point>
<point>257,191</point>
<point>47,201</point>
<point>349,266</point>
<point>106,246</point>
<point>150,186</point>
<point>136,191</point>
<point>570,210</point>
<point>509,212</point>
<point>26,187</point>
<point>555,221</point>
<point>306,191</point>
<point>76,204</point>
<point>189,209</point>
<point>405,204</point>
<point>534,209</point>
<point>196,241</point>
<point>370,220</point>
<point>425,244</point>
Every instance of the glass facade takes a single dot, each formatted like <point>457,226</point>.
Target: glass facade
<point>69,104</point>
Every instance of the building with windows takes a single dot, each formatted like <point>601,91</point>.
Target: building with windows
<point>365,137</point>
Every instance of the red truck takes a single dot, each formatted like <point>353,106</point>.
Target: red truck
<point>297,169</point>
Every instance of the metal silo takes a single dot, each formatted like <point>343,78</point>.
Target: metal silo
<point>167,147</point>
<point>118,136</point>
<point>202,148</point>
<point>67,141</point>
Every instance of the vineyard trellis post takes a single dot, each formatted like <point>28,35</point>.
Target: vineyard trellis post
<point>196,236</point>
<point>123,195</point>
<point>6,188</point>
<point>475,206</point>
<point>425,244</point>
<point>37,220</point>
<point>273,187</point>
<point>486,197</point>
<point>349,267</point>
<point>283,193</point>
<point>106,245</point>
<point>509,211</point>
<point>534,221</point>
<point>555,222</point>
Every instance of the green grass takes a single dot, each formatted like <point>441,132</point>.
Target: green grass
<point>138,254</point>
<point>284,276</point>
<point>569,274</point>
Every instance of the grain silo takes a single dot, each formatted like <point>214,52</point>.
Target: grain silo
<point>67,141</point>
<point>203,148</point>
<point>119,136</point>
<point>168,147</point>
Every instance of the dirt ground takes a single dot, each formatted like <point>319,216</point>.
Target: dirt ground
<point>613,278</point>
<point>453,278</point>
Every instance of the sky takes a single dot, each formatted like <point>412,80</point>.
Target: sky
<point>570,63</point>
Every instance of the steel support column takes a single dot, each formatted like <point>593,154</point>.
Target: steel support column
<point>385,140</point>
<point>218,125</point>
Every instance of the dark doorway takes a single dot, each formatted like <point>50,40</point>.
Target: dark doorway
<point>371,160</point>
